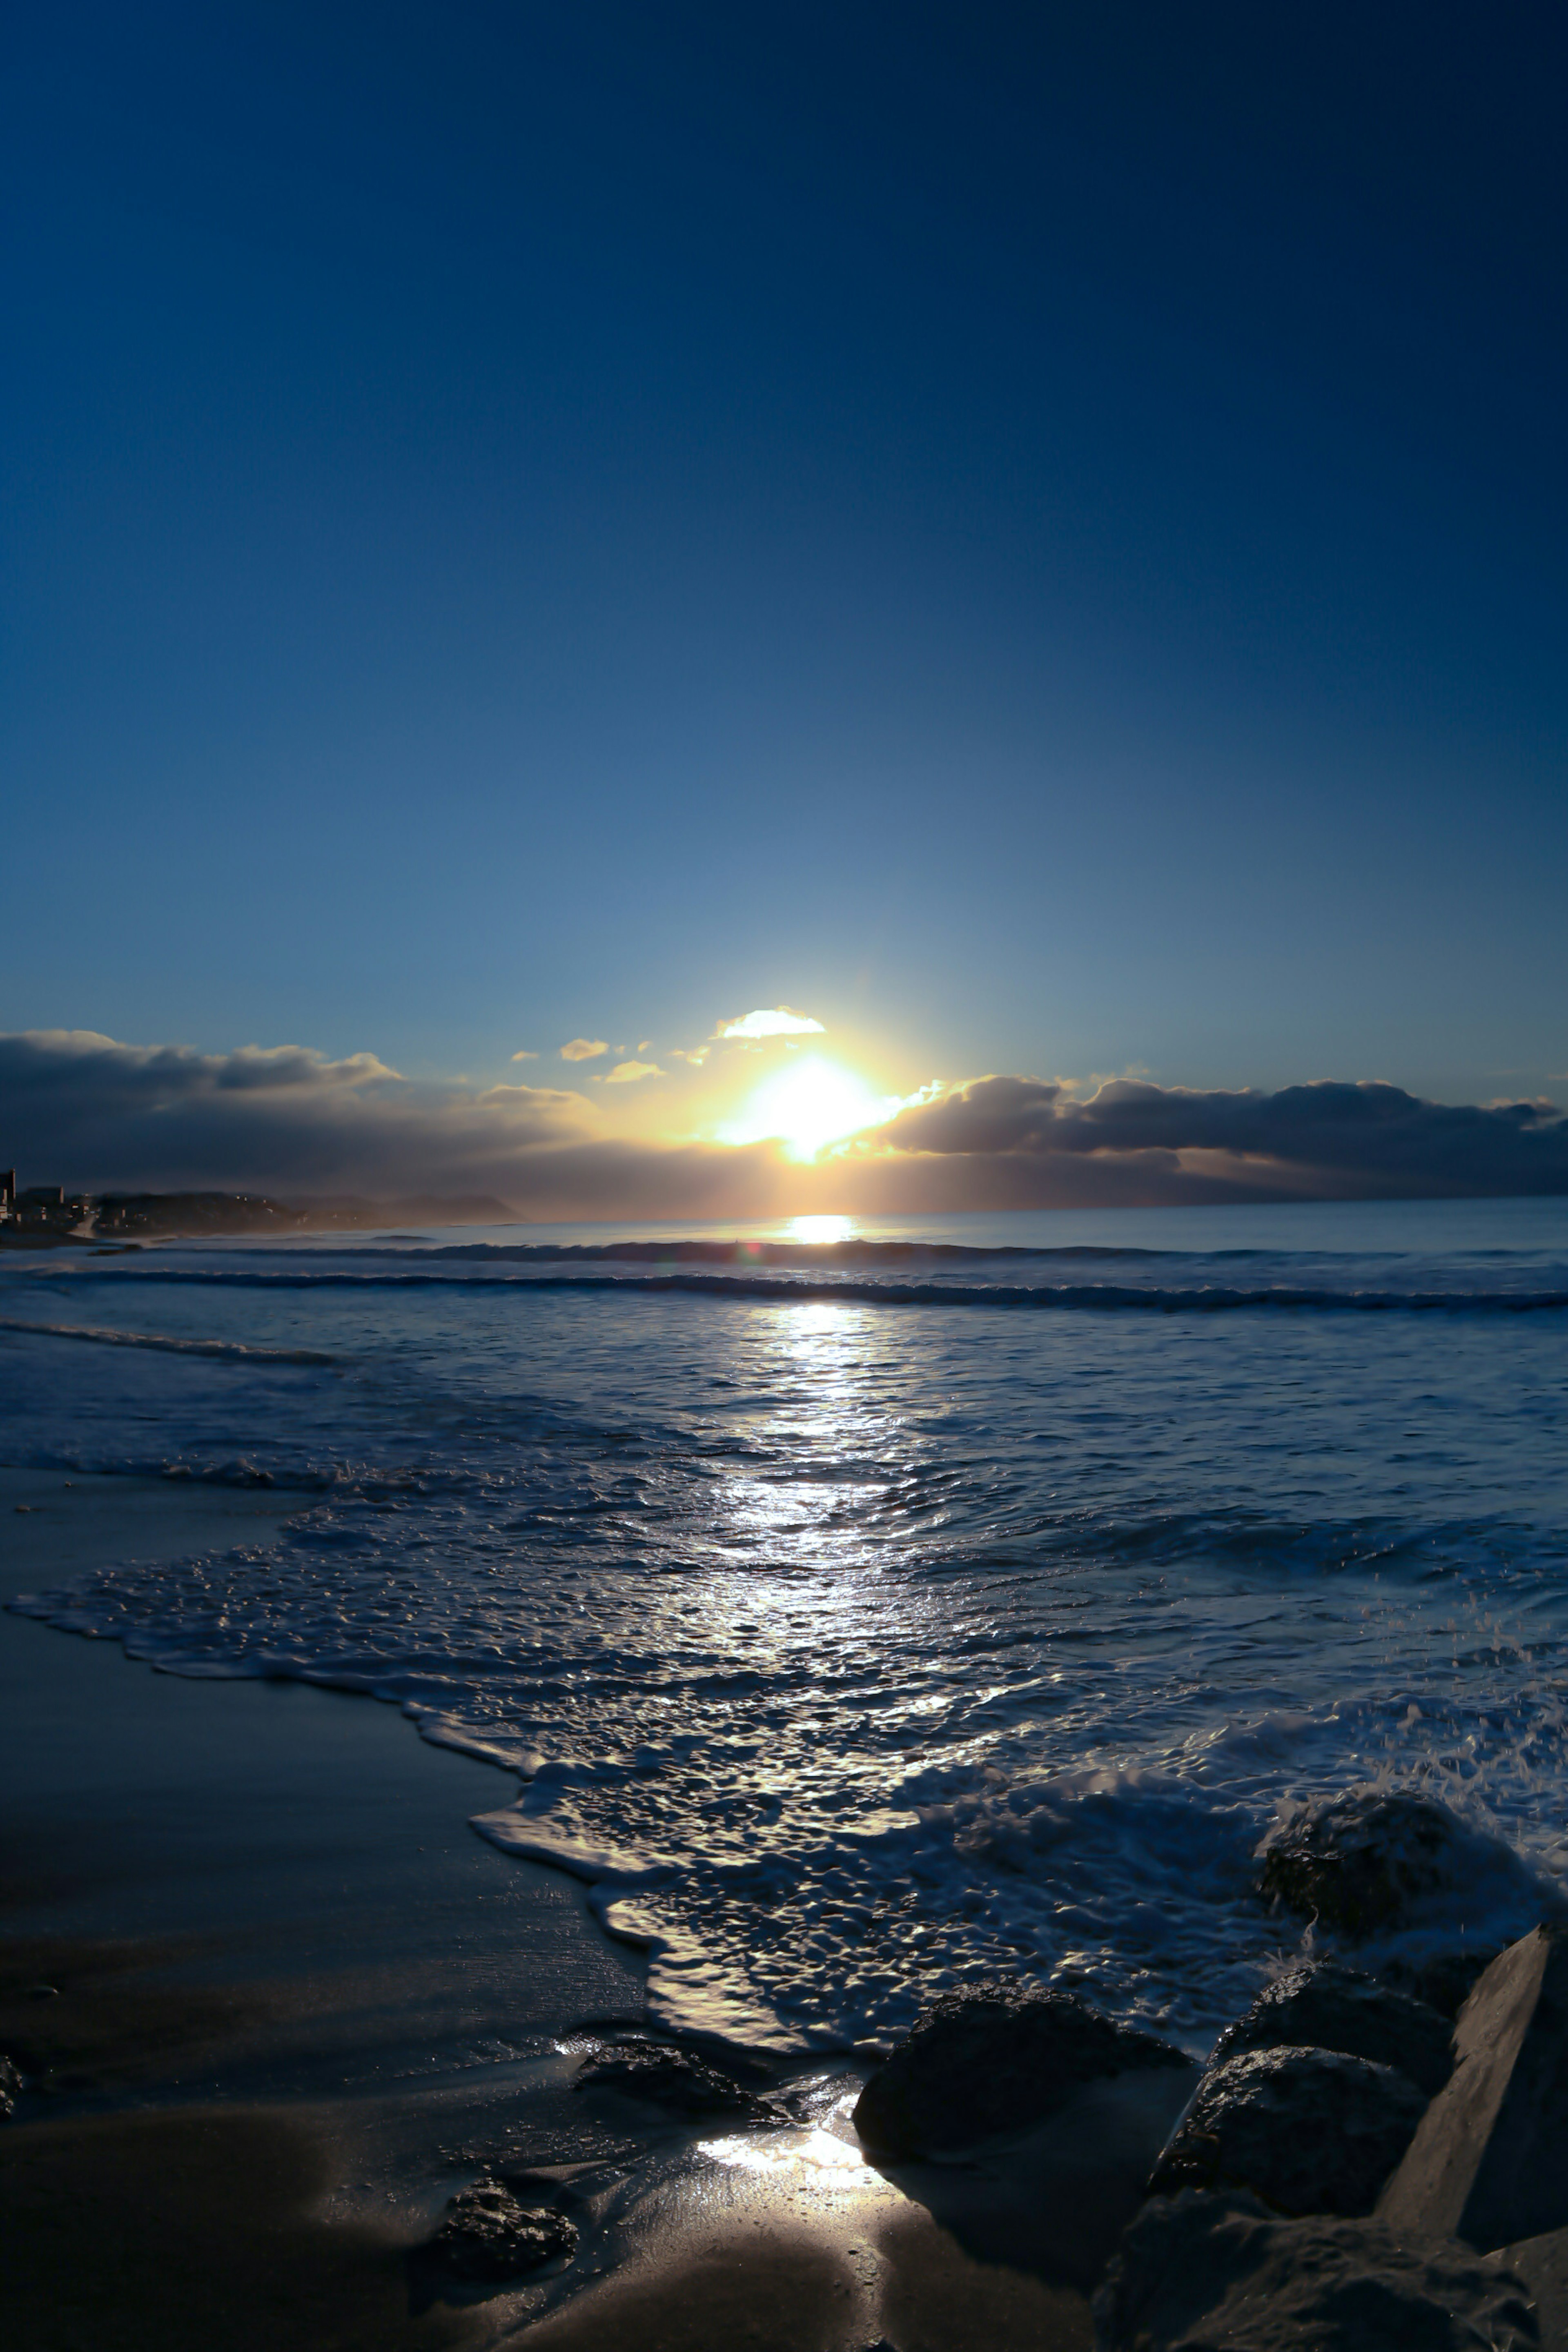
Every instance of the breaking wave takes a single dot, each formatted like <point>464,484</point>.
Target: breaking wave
<point>1194,1298</point>
<point>233,1350</point>
<point>852,1655</point>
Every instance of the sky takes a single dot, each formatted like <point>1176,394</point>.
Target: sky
<point>1029,538</point>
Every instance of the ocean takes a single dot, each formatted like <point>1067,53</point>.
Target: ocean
<point>869,1609</point>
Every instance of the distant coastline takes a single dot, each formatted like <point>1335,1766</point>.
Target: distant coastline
<point>46,1216</point>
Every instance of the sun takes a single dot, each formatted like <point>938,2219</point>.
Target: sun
<point>808,1105</point>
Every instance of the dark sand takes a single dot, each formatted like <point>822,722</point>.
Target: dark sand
<point>192,2228</point>
<point>296,1834</point>
<point>298,2003</point>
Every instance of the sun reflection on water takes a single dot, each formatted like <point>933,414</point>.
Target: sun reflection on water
<point>816,2158</point>
<point>830,1449</point>
<point>821,1228</point>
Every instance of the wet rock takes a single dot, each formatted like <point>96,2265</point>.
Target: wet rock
<point>1445,1982</point>
<point>11,2087</point>
<point>1325,2006</point>
<point>1489,2163</point>
<point>487,2234</point>
<point>1201,2271</point>
<point>980,2063</point>
<point>1362,1862</point>
<point>1310,2131</point>
<point>676,2080</point>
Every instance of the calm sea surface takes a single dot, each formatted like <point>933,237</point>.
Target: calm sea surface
<point>873,1612</point>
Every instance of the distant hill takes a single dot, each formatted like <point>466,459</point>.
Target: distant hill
<point>350,1210</point>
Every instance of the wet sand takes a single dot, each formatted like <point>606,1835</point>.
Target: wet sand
<point>296,1835</point>
<point>298,2002</point>
<point>174,2232</point>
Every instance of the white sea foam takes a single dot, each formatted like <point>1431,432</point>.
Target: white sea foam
<point>854,1655</point>
<point>234,1350</point>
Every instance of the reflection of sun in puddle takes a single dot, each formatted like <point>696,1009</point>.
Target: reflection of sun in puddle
<point>814,2158</point>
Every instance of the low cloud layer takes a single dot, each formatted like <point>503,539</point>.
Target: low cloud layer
<point>1028,1142</point>
<point>85,1110</point>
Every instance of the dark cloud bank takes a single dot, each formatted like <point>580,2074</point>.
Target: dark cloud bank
<point>84,1110</point>
<point>1023,1143</point>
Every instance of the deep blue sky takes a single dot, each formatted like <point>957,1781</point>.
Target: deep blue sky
<point>1036,534</point>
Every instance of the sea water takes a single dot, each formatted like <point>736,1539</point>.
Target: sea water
<point>872,1609</point>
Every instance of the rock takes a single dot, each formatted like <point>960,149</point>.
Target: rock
<point>674,2079</point>
<point>1325,2006</point>
<point>1054,2198</point>
<point>1444,1982</point>
<point>1310,2131</point>
<point>980,2063</point>
<point>1542,2265</point>
<point>1489,2163</point>
<point>487,2234</point>
<point>1358,1862</point>
<point>11,2087</point>
<point>1198,2271</point>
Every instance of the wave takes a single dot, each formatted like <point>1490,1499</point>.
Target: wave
<point>721,1252</point>
<point>1085,1297</point>
<point>849,1809</point>
<point>227,1349</point>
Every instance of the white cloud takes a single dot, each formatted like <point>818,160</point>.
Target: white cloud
<point>627,1073</point>
<point>525,1056</point>
<point>779,1021</point>
<point>583,1049</point>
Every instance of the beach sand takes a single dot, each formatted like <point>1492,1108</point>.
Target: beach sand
<point>297,2002</point>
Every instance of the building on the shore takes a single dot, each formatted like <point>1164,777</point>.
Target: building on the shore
<point>41,1209</point>
<point>46,1213</point>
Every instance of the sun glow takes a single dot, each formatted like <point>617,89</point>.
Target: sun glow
<point>807,1106</point>
<point>821,1228</point>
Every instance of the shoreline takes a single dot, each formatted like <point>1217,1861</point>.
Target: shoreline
<point>298,1988</point>
<point>271,2014</point>
<point>288,1824</point>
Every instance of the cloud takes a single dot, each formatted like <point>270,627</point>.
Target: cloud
<point>167,1118</point>
<point>525,1056</point>
<point>780,1021</point>
<point>62,1056</point>
<point>627,1073</point>
<point>1032,1142</point>
<point>85,1110</point>
<point>583,1049</point>
<point>100,1116</point>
